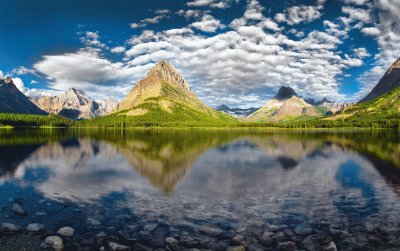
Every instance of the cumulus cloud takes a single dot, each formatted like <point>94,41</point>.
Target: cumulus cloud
<point>208,24</point>
<point>160,15</point>
<point>356,2</point>
<point>88,71</point>
<point>371,31</point>
<point>1,75</point>
<point>191,13</point>
<point>361,53</point>
<point>358,15</point>
<point>22,70</point>
<point>219,4</point>
<point>300,14</point>
<point>92,40</point>
<point>118,49</point>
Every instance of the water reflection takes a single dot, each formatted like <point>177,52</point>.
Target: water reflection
<point>249,181</point>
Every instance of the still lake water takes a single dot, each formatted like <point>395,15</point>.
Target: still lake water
<point>206,189</point>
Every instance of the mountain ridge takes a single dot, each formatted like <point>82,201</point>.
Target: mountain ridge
<point>236,112</point>
<point>286,104</point>
<point>389,81</point>
<point>74,104</point>
<point>13,100</point>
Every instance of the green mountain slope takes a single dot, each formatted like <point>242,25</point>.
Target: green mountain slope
<point>385,106</point>
<point>163,98</point>
<point>285,106</point>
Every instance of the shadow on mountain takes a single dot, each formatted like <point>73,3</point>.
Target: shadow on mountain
<point>69,113</point>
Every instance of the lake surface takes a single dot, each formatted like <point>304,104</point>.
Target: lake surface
<point>205,189</point>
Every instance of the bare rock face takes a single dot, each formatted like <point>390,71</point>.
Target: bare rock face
<point>162,81</point>
<point>333,106</point>
<point>13,100</point>
<point>285,104</point>
<point>165,71</point>
<point>75,104</point>
<point>285,93</point>
<point>389,82</point>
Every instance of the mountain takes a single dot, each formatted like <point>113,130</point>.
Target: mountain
<point>13,100</point>
<point>332,106</point>
<point>285,105</point>
<point>389,82</point>
<point>236,112</point>
<point>75,104</point>
<point>165,96</point>
<point>383,107</point>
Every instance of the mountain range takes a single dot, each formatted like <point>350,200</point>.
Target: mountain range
<point>236,112</point>
<point>75,104</point>
<point>165,96</point>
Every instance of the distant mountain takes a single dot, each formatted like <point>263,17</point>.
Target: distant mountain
<point>236,112</point>
<point>332,106</point>
<point>165,96</point>
<point>383,107</point>
<point>75,104</point>
<point>389,82</point>
<point>13,100</point>
<point>285,105</point>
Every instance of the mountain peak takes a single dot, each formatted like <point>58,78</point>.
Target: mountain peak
<point>8,80</point>
<point>389,82</point>
<point>222,107</point>
<point>165,71</point>
<point>395,65</point>
<point>285,93</point>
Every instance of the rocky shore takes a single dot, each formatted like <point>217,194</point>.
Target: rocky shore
<point>127,232</point>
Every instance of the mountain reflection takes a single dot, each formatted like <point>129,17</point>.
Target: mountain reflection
<point>84,166</point>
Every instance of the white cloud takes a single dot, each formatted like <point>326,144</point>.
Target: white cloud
<point>22,70</point>
<point>92,40</point>
<point>87,71</point>
<point>361,53</point>
<point>371,31</point>
<point>300,14</point>
<point>161,14</point>
<point>1,75</point>
<point>208,24</point>
<point>219,4</point>
<point>357,14</point>
<point>118,49</point>
<point>356,2</point>
<point>191,13</point>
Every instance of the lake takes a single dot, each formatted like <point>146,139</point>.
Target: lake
<point>205,189</point>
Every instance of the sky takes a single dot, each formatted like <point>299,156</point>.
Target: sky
<point>236,52</point>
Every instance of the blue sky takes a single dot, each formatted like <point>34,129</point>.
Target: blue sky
<point>237,52</point>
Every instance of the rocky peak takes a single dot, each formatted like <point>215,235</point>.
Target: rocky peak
<point>165,71</point>
<point>395,65</point>
<point>285,93</point>
<point>8,80</point>
<point>222,107</point>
